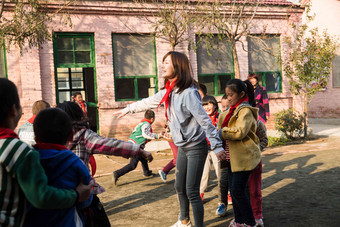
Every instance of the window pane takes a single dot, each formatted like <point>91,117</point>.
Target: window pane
<point>218,60</point>
<point>273,82</point>
<point>64,43</point>
<point>221,82</point>
<point>125,88</point>
<point>77,78</point>
<point>63,78</point>
<point>64,96</point>
<point>144,89</point>
<point>134,55</point>
<point>65,57</point>
<point>83,56</point>
<point>82,44</point>
<point>208,81</point>
<point>2,63</point>
<point>264,54</point>
<point>336,69</point>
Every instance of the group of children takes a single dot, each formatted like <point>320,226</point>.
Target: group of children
<point>49,184</point>
<point>56,173</point>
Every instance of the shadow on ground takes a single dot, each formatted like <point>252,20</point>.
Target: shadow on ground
<point>300,188</point>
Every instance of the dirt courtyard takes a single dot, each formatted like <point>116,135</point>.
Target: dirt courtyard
<point>301,187</point>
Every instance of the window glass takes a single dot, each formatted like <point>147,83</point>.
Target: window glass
<point>264,54</point>
<point>135,69</point>
<point>264,60</point>
<point>73,50</point>
<point>215,63</point>
<point>273,82</point>
<point>134,55</point>
<point>125,88</point>
<point>214,56</point>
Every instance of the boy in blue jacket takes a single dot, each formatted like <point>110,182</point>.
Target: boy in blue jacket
<point>64,169</point>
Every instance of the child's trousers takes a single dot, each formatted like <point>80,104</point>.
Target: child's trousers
<point>132,165</point>
<point>211,157</point>
<point>254,185</point>
<point>172,163</point>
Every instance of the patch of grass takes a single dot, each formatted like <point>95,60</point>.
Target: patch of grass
<point>278,141</point>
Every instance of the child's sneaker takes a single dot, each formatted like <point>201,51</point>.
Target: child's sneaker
<point>259,222</point>
<point>180,224</point>
<point>115,177</point>
<point>162,175</point>
<point>221,210</point>
<point>230,201</point>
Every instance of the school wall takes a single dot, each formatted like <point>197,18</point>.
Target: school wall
<point>33,71</point>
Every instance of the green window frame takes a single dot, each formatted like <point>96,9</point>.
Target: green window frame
<point>73,53</point>
<point>134,65</point>
<point>264,58</point>
<point>215,63</point>
<point>3,61</point>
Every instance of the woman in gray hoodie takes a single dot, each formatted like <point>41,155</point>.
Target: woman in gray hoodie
<point>189,125</point>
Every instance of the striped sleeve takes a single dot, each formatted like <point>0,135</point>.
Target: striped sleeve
<point>13,151</point>
<point>265,102</point>
<point>97,144</point>
<point>146,132</point>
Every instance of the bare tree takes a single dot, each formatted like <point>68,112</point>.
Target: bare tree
<point>172,19</point>
<point>231,19</point>
<point>26,21</point>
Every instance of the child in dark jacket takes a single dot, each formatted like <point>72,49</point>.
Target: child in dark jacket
<point>64,169</point>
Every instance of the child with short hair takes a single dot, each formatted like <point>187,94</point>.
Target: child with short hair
<point>64,169</point>
<point>25,131</point>
<point>238,131</point>
<point>140,135</point>
<point>22,176</point>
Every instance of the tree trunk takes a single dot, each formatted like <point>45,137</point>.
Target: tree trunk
<point>236,63</point>
<point>305,109</point>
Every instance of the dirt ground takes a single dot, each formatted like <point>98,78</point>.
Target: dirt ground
<point>300,188</point>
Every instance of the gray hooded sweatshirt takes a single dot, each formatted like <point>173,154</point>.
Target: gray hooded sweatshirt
<point>188,121</point>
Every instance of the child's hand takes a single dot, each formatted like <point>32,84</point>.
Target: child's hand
<point>221,155</point>
<point>147,155</point>
<point>84,191</point>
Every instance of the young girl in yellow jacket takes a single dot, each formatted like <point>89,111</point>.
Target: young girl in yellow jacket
<point>237,130</point>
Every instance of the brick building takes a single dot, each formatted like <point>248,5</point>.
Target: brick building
<point>109,55</point>
<point>324,104</point>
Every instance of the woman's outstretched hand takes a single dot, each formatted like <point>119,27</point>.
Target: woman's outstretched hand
<point>120,113</point>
